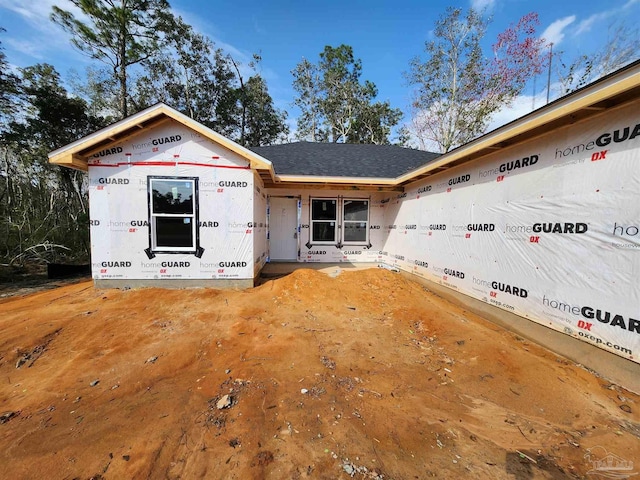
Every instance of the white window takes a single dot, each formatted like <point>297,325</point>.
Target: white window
<point>324,220</point>
<point>337,221</point>
<point>173,215</point>
<point>355,221</point>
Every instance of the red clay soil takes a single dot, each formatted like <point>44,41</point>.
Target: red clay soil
<point>367,375</point>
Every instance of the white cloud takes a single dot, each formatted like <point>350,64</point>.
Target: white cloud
<point>23,12</point>
<point>36,12</point>
<point>49,39</point>
<point>241,56</point>
<point>554,33</point>
<point>26,47</point>
<point>585,25</point>
<point>480,5</point>
<point>522,105</point>
<point>40,39</point>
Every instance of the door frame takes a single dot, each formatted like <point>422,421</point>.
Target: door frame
<point>298,200</point>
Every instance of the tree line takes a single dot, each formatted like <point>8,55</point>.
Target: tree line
<point>145,54</point>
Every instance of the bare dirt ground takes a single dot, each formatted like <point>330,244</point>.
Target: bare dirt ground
<point>367,375</point>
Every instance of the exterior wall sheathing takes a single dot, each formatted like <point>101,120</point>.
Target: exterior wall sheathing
<point>120,218</point>
<point>319,252</point>
<point>260,245</point>
<point>548,229</point>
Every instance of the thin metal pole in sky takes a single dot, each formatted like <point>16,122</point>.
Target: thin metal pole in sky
<point>549,73</point>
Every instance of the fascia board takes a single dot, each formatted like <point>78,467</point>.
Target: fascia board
<point>105,133</point>
<point>560,108</point>
<point>68,155</point>
<point>257,161</point>
<point>71,161</point>
<point>337,180</point>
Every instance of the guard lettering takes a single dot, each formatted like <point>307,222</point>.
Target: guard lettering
<point>453,273</point>
<point>510,289</point>
<point>558,227</point>
<point>617,136</point>
<point>460,179</point>
<point>232,183</point>
<point>116,264</point>
<point>520,163</point>
<point>232,264</point>
<point>163,140</point>
<point>175,264</point>
<point>481,227</point>
<point>108,151</point>
<point>615,320</point>
<point>113,181</point>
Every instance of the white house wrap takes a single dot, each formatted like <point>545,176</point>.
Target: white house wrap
<point>540,218</point>
<point>219,217</point>
<point>548,229</point>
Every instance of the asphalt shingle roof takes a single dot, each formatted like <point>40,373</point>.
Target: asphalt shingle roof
<point>343,159</point>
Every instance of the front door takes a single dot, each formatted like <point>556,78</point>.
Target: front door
<point>283,229</point>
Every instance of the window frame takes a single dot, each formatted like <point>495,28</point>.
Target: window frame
<point>154,247</point>
<point>339,233</point>
<point>344,222</point>
<point>312,222</point>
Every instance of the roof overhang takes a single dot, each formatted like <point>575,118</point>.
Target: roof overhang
<point>324,183</point>
<point>76,154</point>
<point>611,91</point>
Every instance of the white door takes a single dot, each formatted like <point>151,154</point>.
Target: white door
<point>283,229</point>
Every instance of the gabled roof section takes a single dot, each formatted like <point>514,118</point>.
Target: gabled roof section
<point>75,154</point>
<point>310,159</point>
<point>378,167</point>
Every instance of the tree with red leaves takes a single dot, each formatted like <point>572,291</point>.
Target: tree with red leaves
<point>518,55</point>
<point>458,89</point>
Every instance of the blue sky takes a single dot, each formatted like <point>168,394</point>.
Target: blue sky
<point>384,34</point>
